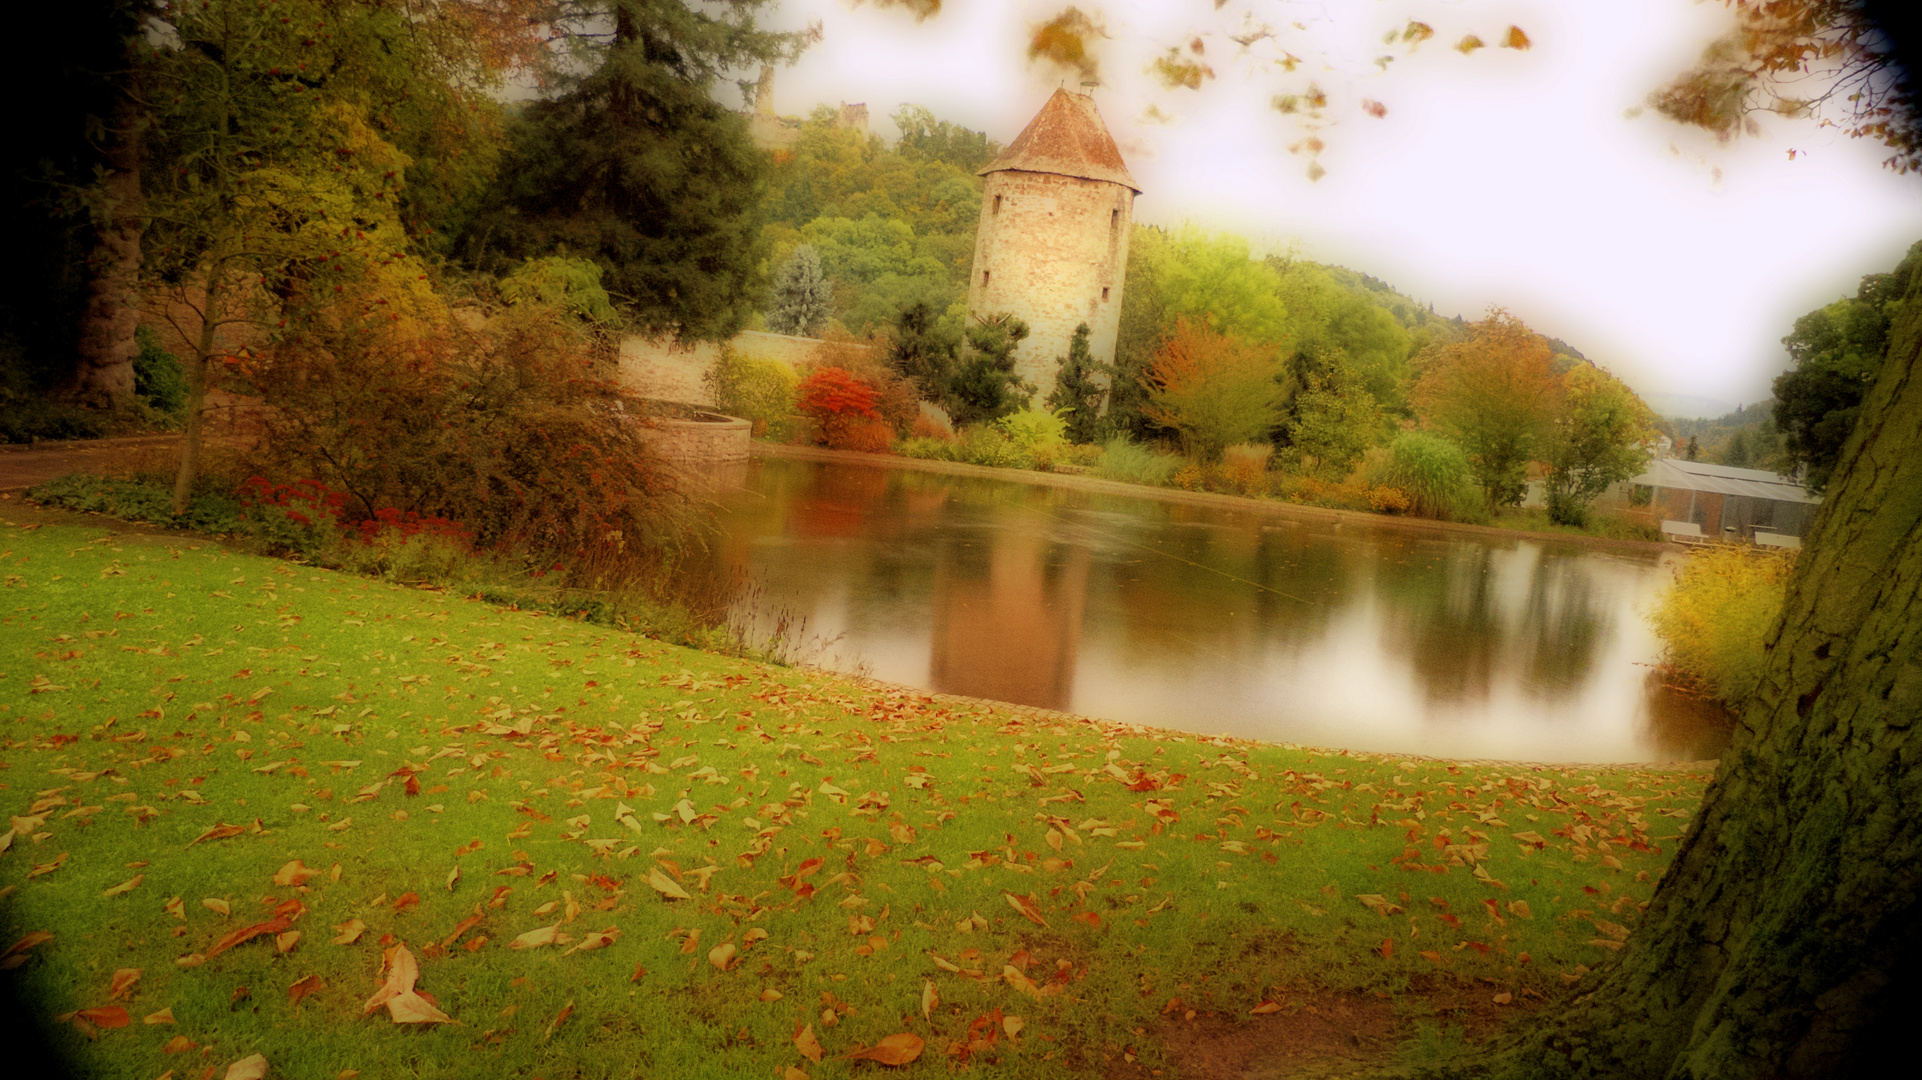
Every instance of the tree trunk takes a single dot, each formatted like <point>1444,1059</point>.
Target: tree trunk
<point>1786,930</point>
<point>104,377</point>
<point>200,374</point>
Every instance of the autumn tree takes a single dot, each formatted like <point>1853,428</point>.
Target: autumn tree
<point>1216,390</point>
<point>922,351</point>
<point>1492,394</point>
<point>1598,436</point>
<point>1331,419</point>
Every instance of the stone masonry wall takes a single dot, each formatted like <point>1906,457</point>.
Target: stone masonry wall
<point>1054,251</point>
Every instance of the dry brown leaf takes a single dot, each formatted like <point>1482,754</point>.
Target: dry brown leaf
<point>893,1050</point>
<point>348,932</point>
<point>251,1067</point>
<point>302,987</point>
<point>107,1016</point>
<point>245,934</point>
<point>453,876</point>
<point>600,939</point>
<point>792,1073</point>
<point>722,955</point>
<point>930,999</point>
<point>561,1017</point>
<point>536,938</point>
<point>1025,905</point>
<point>126,886</point>
<point>164,1016</point>
<point>666,886</point>
<point>219,907</point>
<point>1012,1025</point>
<point>403,1002</point>
<point>1265,1008</point>
<point>177,909</point>
<point>807,1044</point>
<point>294,873</point>
<point>123,982</point>
<point>1020,982</point>
<point>286,942</point>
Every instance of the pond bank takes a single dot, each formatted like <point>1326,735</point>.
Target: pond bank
<point>1268,507</point>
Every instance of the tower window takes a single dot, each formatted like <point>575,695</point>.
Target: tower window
<point>1114,220</point>
<point>997,204</point>
<point>1104,293</point>
<point>984,278</point>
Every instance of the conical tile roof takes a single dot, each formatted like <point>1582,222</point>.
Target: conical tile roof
<point>1068,138</point>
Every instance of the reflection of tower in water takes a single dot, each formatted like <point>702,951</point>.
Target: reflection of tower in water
<point>1007,619</point>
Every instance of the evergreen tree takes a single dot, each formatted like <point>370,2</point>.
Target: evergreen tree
<point>637,167</point>
<point>1076,390</point>
<point>921,352</point>
<point>985,386</point>
<point>803,300</point>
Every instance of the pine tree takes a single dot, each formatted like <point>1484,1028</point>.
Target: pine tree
<point>803,299</point>
<point>921,352</point>
<point>1076,390</point>
<point>985,386</point>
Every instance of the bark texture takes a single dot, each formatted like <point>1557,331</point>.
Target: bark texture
<point>1783,940</point>
<point>104,377</point>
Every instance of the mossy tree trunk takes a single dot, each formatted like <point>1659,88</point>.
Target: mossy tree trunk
<point>1783,940</point>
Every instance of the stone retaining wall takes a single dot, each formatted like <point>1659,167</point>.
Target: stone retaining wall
<point>710,440</point>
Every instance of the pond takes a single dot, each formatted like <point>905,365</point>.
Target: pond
<point>1215,621</point>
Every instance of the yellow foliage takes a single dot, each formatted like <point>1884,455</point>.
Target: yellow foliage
<point>1715,617</point>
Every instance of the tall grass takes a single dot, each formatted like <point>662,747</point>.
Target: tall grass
<point>1136,464</point>
<point>1433,473</point>
<point>1715,616</point>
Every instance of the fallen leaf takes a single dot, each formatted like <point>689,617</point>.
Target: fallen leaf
<point>807,1044</point>
<point>1012,1025</point>
<point>123,982</point>
<point>771,994</point>
<point>722,955</point>
<point>600,939</point>
<point>164,1016</point>
<point>294,874</point>
<point>536,938</point>
<point>667,886</point>
<point>245,934</point>
<point>930,999</point>
<point>553,1026</point>
<point>453,876</point>
<point>1025,905</point>
<point>219,832</point>
<point>403,1002</point>
<point>1265,1008</point>
<point>349,931</point>
<point>286,942</point>
<point>126,886</point>
<point>302,987</point>
<point>107,1016</point>
<point>893,1050</point>
<point>219,907</point>
<point>251,1067</point>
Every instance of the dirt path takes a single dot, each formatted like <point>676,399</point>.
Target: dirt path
<point>21,467</point>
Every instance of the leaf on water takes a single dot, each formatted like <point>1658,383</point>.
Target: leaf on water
<point>251,1067</point>
<point>666,886</point>
<point>1025,905</point>
<point>294,873</point>
<point>300,988</point>
<point>123,982</point>
<point>126,886</point>
<point>807,1044</point>
<point>348,932</point>
<point>893,1050</point>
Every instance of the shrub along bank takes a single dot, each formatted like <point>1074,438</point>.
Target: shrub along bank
<point>273,790</point>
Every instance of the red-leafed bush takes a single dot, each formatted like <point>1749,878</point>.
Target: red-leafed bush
<point>872,437</point>
<point>841,404</point>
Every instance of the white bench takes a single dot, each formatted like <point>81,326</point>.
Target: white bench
<point>1683,532</point>
<point>1778,540</point>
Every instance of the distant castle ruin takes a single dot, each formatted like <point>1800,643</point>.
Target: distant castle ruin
<point>1052,245</point>
<point>779,133</point>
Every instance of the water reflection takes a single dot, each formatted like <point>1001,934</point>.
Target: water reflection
<point>1218,621</point>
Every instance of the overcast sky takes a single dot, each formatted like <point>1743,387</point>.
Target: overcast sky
<point>1502,177</point>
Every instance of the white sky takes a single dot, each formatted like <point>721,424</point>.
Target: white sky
<point>1505,177</point>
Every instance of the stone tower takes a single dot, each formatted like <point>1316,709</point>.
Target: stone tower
<point>1052,246</point>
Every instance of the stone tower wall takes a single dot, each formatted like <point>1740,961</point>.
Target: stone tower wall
<point>1053,250</point>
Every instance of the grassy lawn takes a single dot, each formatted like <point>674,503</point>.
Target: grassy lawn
<point>272,790</point>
